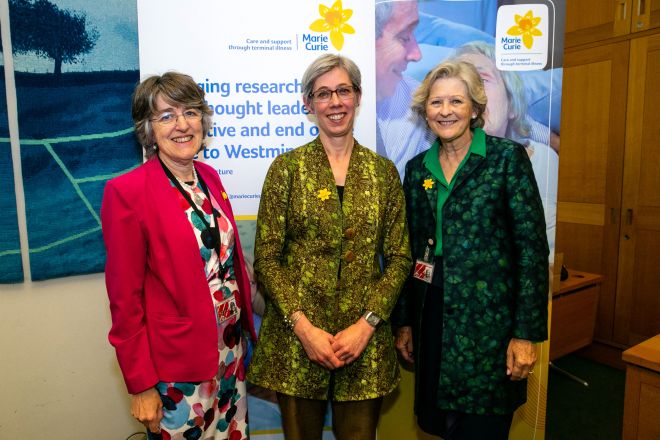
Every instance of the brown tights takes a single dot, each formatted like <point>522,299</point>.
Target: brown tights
<point>302,419</point>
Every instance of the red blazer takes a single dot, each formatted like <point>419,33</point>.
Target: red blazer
<point>163,321</point>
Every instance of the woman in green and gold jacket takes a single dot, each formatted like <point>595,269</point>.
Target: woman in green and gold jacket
<point>332,253</point>
<point>476,301</point>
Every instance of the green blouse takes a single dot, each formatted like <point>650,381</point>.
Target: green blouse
<point>432,163</point>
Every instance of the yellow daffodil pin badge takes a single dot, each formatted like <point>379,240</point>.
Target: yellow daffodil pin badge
<point>428,184</point>
<point>224,195</point>
<point>323,194</point>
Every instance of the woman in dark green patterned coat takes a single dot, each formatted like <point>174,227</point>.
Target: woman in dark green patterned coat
<point>476,300</point>
<point>332,254</point>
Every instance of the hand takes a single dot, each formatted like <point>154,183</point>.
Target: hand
<point>147,408</point>
<point>520,358</point>
<point>404,343</point>
<point>317,344</point>
<point>351,342</point>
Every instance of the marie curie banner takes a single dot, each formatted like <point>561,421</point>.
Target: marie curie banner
<point>521,40</point>
<point>249,57</point>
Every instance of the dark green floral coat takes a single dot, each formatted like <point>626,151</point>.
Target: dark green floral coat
<point>495,263</point>
<point>322,257</point>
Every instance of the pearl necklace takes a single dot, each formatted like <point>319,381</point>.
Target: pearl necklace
<point>196,196</point>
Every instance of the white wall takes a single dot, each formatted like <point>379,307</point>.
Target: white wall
<point>58,374</point>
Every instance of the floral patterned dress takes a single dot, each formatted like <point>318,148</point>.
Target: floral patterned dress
<point>217,408</point>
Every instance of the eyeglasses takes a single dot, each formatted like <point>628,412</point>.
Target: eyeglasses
<point>345,93</point>
<point>168,119</point>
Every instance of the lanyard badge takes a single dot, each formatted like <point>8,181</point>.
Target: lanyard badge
<point>424,267</point>
<point>227,309</point>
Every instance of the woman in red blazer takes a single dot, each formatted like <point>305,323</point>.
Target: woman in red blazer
<point>175,274</point>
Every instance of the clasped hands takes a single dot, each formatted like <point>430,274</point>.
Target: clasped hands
<point>333,351</point>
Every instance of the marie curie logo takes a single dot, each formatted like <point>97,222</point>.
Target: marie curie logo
<point>521,40</point>
<point>332,26</point>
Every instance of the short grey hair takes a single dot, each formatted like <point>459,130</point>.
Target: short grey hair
<point>324,64</point>
<point>462,70</point>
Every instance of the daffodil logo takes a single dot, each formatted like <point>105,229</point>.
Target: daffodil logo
<point>526,26</point>
<point>334,19</point>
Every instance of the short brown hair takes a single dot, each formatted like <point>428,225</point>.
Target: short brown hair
<point>176,89</point>
<point>462,70</point>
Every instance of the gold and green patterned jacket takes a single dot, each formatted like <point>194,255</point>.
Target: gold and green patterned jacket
<point>315,254</point>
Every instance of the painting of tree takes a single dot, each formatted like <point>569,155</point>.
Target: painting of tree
<point>40,27</point>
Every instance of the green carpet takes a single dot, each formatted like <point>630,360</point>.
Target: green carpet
<point>579,412</point>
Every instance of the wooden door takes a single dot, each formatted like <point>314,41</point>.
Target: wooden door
<point>591,167</point>
<point>596,20</point>
<point>638,294</point>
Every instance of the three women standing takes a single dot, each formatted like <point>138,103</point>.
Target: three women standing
<point>332,253</point>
